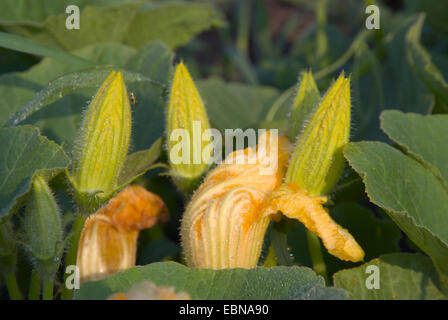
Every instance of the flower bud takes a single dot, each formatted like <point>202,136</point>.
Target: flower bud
<point>222,226</point>
<point>187,121</point>
<point>305,101</point>
<point>317,162</point>
<point>102,142</point>
<point>43,229</point>
<point>108,241</point>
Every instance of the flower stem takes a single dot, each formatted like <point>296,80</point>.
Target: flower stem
<point>13,288</point>
<point>47,292</point>
<point>70,257</point>
<point>317,257</point>
<point>34,291</point>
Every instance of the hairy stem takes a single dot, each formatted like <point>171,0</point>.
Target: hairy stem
<point>317,257</point>
<point>13,288</point>
<point>35,284</point>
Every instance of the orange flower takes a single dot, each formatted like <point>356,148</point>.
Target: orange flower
<point>108,240</point>
<point>222,226</point>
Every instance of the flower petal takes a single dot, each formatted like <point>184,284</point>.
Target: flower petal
<point>295,203</point>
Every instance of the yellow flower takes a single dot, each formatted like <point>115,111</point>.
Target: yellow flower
<point>296,203</point>
<point>225,222</point>
<point>222,226</point>
<point>108,240</point>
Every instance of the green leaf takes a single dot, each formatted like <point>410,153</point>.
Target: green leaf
<point>23,152</point>
<point>411,194</point>
<point>18,43</point>
<point>69,83</point>
<point>19,88</point>
<point>402,276</point>
<point>65,98</point>
<point>375,236</point>
<point>175,23</point>
<point>235,105</point>
<point>137,163</point>
<point>421,136</point>
<point>257,283</point>
<point>421,63</point>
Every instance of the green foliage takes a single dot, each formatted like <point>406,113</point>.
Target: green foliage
<point>247,284</point>
<point>409,187</point>
<point>403,276</point>
<point>393,194</point>
<point>23,152</point>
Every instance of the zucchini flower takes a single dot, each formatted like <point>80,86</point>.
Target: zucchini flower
<point>108,242</point>
<point>222,226</point>
<point>315,167</point>
<point>225,222</point>
<point>187,120</point>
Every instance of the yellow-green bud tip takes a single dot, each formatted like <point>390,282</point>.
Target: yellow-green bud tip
<point>189,151</point>
<point>104,139</point>
<point>317,161</point>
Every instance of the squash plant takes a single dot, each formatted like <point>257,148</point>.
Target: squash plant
<point>98,201</point>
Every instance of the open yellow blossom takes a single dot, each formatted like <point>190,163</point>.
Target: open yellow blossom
<point>226,220</point>
<point>108,242</point>
<point>222,226</point>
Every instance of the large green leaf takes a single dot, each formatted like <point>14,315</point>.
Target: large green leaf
<point>128,22</point>
<point>58,106</point>
<point>19,88</point>
<point>420,60</point>
<point>23,152</point>
<point>35,12</point>
<point>18,43</point>
<point>402,276</point>
<point>409,192</point>
<point>236,105</point>
<point>257,283</point>
<point>423,137</point>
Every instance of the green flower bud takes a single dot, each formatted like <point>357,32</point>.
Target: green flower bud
<point>306,99</point>
<point>102,143</point>
<point>43,229</point>
<point>189,149</point>
<point>317,162</point>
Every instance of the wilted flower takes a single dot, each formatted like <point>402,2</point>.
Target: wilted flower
<point>108,242</point>
<point>147,290</point>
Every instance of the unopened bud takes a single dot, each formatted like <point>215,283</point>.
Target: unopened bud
<point>43,229</point>
<point>317,162</point>
<point>102,142</point>
<point>305,101</point>
<point>186,123</point>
